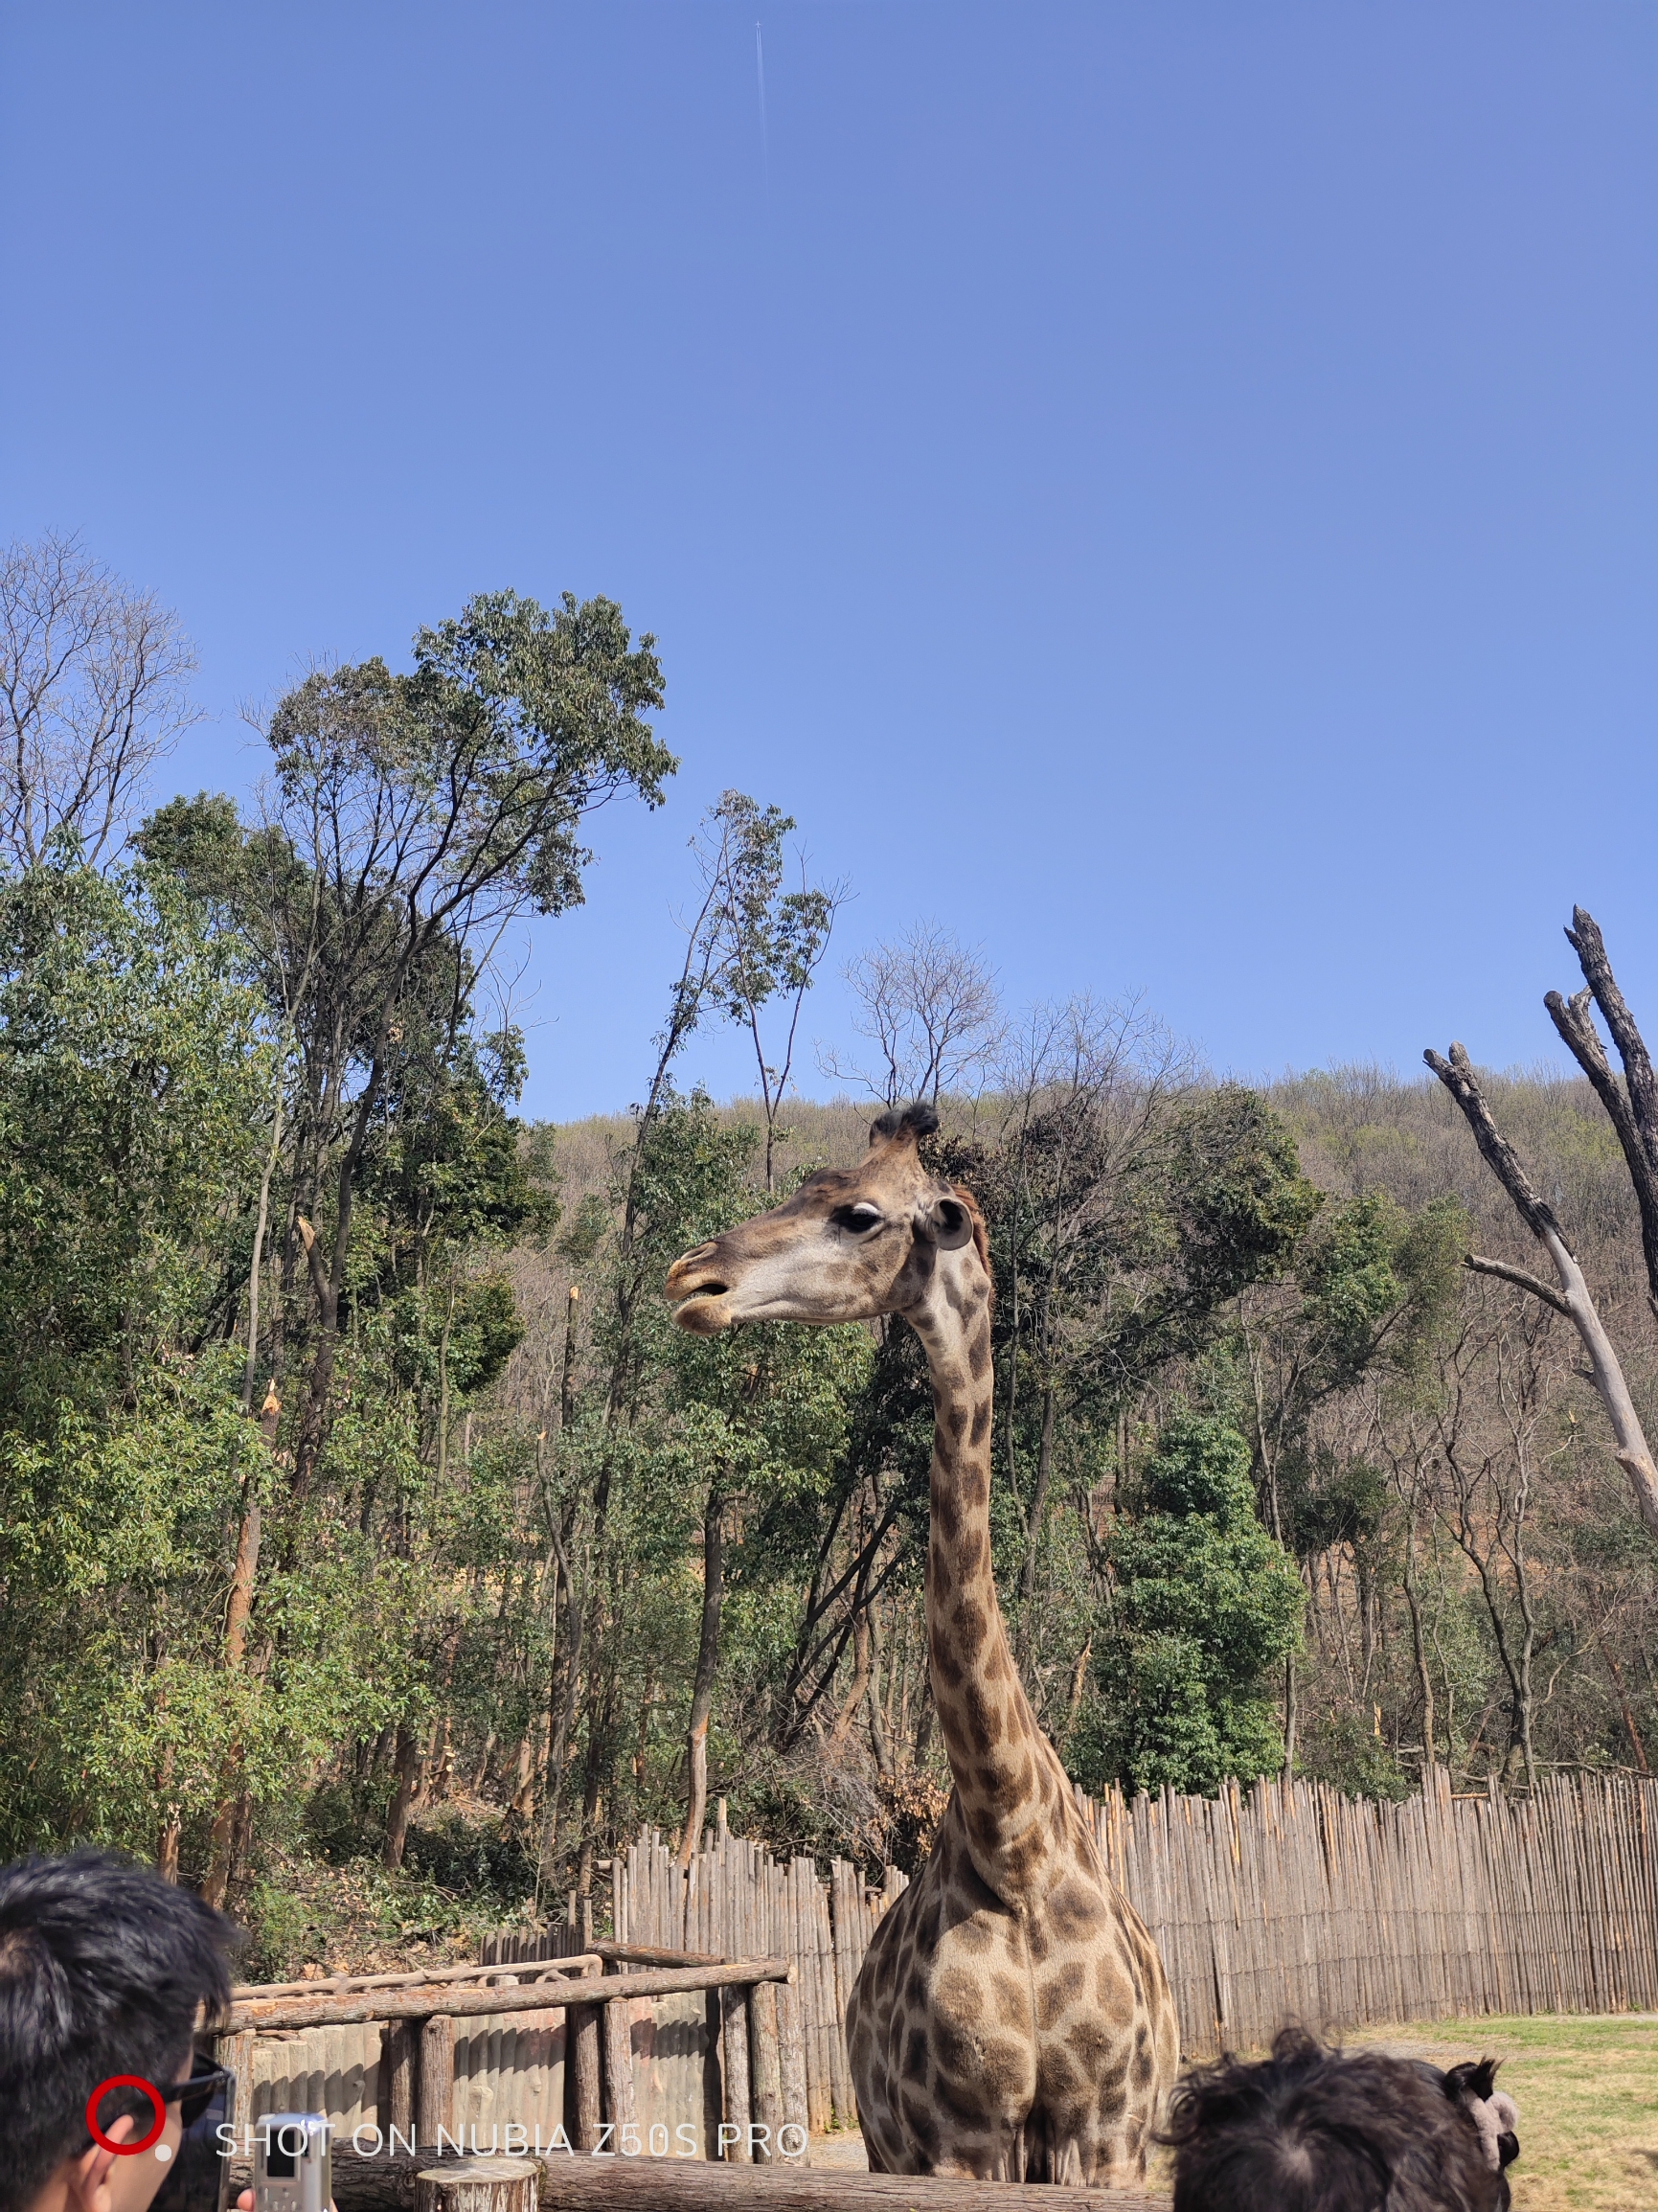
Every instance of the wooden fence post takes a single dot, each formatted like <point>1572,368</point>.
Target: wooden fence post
<point>583,2038</point>
<point>622,2106</point>
<point>734,2052</point>
<point>436,2097</point>
<point>399,2053</point>
<point>791,2064</point>
<point>235,2056</point>
<point>766,2064</point>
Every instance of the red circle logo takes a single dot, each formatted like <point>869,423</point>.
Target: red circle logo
<point>125,2081</point>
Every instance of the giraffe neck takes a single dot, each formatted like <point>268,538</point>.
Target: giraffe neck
<point>1006,1775</point>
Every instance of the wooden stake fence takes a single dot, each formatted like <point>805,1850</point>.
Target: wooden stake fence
<point>1283,1902</point>
<point>1287,1901</point>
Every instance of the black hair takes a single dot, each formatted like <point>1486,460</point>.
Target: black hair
<point>1314,2129</point>
<point>102,1968</point>
<point>919,1119</point>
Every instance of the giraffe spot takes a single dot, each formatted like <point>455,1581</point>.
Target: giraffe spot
<point>982,1720</point>
<point>956,1420</point>
<point>1021,1856</point>
<point>975,1489</point>
<point>1142,2068</point>
<point>1004,2068</point>
<point>1092,2042</point>
<point>970,1626</point>
<point>1112,2100</point>
<point>943,1582</point>
<point>1075,1911</point>
<point>981,1427</point>
<point>1059,1993</point>
<point>1012,2001</point>
<point>1113,1990</point>
<point>1058,2079</point>
<point>947,1665</point>
<point>972,1935</point>
<point>979,1350</point>
<point>961,2103</point>
<point>971,1553</point>
<point>922,2128</point>
<point>915,2067</point>
<point>946,1518</point>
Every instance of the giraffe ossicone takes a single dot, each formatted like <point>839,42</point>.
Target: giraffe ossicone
<point>1011,2021</point>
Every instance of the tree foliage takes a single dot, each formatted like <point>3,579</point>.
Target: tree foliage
<point>1204,1605</point>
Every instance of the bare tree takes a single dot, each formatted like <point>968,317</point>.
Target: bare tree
<point>1089,1091</point>
<point>1572,1298</point>
<point>93,684</point>
<point>930,1009</point>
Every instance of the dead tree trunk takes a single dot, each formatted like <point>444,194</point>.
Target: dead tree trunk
<point>707,1668</point>
<point>1572,1298</point>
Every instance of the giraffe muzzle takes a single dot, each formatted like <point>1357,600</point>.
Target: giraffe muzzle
<point>703,1309</point>
<point>696,1292</point>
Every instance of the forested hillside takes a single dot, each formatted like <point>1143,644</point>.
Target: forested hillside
<point>371,1545</point>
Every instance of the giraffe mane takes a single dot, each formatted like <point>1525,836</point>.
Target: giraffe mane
<point>981,1235</point>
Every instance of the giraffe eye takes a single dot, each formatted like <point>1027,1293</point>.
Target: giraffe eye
<point>859,1219</point>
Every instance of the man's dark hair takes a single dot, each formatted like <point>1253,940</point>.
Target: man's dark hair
<point>103,1966</point>
<point>1314,2129</point>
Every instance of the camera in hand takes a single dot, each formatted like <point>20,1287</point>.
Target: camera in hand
<point>292,2166</point>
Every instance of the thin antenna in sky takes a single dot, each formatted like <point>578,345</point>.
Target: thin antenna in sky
<point>759,80</point>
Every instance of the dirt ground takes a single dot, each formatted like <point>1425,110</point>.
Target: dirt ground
<point>1587,2091</point>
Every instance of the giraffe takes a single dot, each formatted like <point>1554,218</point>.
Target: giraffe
<point>1011,2021</point>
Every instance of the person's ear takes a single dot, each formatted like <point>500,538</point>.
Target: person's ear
<point>88,2176</point>
<point>946,1224</point>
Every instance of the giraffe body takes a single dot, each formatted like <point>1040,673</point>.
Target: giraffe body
<point>1012,2019</point>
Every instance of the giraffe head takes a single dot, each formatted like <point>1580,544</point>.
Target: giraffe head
<point>851,1242</point>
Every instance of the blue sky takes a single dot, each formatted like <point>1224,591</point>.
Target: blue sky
<point>1167,491</point>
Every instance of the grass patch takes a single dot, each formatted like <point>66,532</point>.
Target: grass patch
<point>1587,2089</point>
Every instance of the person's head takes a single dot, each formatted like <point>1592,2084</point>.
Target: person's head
<point>103,1969</point>
<point>1314,2129</point>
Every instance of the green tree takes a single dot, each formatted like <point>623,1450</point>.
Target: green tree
<point>1204,1605</point>
<point>133,1078</point>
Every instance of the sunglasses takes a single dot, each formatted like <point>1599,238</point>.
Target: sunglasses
<point>193,2096</point>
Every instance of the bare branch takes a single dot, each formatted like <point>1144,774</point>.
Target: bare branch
<point>930,1009</point>
<point>1586,940</point>
<point>1632,1106</point>
<point>1457,1076</point>
<point>1632,1450</point>
<point>1527,1281</point>
<point>93,690</point>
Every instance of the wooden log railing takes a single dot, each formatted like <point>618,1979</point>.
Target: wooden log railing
<point>343,1984</point>
<point>545,1995</point>
<point>763,2087</point>
<point>606,2185</point>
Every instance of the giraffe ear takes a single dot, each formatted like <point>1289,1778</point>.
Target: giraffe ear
<point>946,1224</point>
